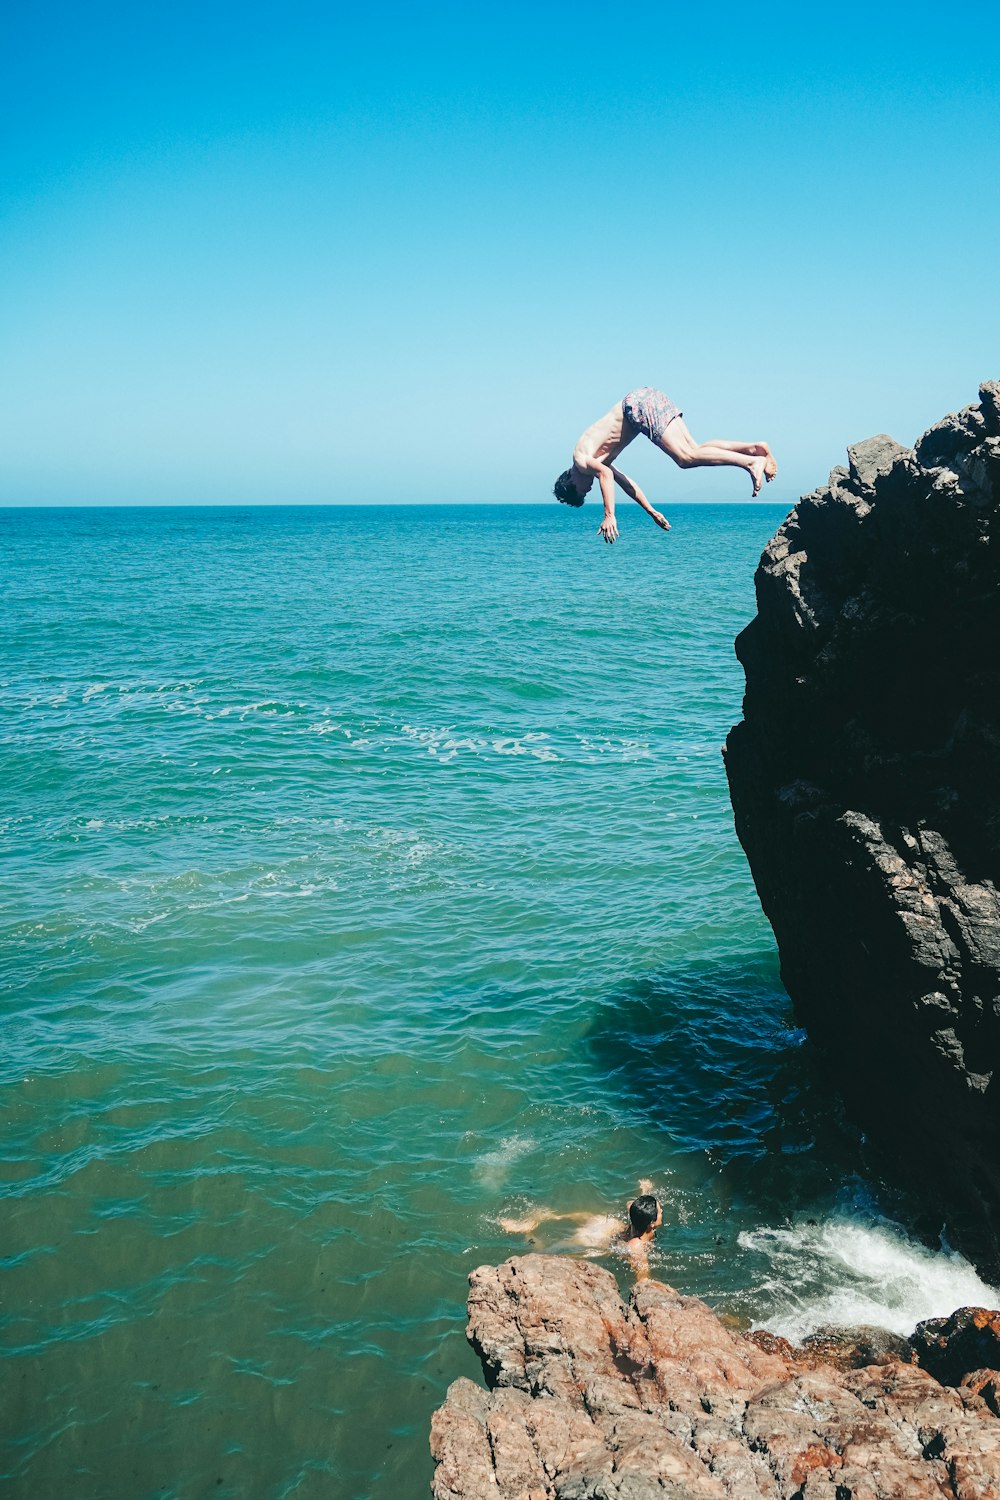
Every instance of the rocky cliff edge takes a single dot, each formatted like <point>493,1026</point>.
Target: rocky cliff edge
<point>591,1398</point>
<point>865,780</point>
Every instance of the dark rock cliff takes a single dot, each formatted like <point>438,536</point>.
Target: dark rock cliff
<point>864,780</point>
<point>594,1399</point>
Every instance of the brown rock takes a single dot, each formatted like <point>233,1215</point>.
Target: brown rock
<point>855,1348</point>
<point>593,1399</point>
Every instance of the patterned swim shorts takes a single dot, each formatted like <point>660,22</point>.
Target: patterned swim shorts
<point>650,410</point>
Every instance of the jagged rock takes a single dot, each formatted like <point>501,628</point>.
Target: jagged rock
<point>593,1399</point>
<point>873,458</point>
<point>950,1347</point>
<point>856,1348</point>
<point>865,779</point>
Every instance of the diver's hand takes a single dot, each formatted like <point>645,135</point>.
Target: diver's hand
<point>608,529</point>
<point>661,521</point>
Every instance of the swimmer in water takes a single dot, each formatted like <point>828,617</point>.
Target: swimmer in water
<point>654,415</point>
<point>601,1232</point>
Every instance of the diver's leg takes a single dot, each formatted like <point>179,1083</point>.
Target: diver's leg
<point>676,441</point>
<point>755,450</point>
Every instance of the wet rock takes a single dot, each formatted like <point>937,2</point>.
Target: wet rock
<point>856,1348</point>
<point>952,1347</point>
<point>865,780</point>
<point>594,1399</point>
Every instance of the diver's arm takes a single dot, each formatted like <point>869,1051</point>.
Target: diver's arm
<point>608,528</point>
<point>633,491</point>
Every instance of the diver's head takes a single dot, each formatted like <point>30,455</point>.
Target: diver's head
<point>644,1214</point>
<point>567,488</point>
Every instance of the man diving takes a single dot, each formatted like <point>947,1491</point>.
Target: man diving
<point>650,412</point>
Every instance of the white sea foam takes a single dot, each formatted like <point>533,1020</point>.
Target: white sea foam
<point>493,1167</point>
<point>625,750</point>
<point>445,745</point>
<point>845,1272</point>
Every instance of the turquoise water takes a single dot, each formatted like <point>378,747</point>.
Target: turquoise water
<point>369,874</point>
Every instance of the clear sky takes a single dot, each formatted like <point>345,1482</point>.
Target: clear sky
<point>321,252</point>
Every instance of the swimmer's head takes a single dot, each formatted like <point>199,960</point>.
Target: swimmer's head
<point>644,1214</point>
<point>566,489</point>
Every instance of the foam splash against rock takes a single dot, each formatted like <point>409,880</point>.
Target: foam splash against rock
<point>845,1273</point>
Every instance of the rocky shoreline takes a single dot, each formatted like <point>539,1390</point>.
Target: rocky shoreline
<point>593,1398</point>
<point>865,781</point>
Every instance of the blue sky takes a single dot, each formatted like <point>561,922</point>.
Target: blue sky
<point>305,253</point>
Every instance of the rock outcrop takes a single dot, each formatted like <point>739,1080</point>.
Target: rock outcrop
<point>593,1399</point>
<point>865,780</point>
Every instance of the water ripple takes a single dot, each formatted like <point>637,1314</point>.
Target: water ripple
<point>366,876</point>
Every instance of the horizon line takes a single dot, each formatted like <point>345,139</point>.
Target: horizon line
<point>335,504</point>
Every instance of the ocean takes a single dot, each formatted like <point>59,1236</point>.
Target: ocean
<point>369,875</point>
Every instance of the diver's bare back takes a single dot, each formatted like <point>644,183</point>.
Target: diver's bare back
<point>605,438</point>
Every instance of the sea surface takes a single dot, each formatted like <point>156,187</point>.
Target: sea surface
<point>368,875</point>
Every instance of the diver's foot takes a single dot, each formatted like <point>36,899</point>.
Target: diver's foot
<point>758,473</point>
<point>762,450</point>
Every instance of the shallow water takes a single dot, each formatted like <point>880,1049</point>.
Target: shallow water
<point>368,874</point>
